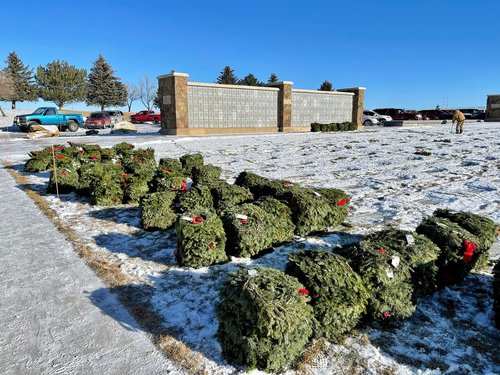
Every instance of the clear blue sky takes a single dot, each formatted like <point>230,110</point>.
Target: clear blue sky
<point>411,54</point>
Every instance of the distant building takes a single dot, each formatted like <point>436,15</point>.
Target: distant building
<point>493,108</point>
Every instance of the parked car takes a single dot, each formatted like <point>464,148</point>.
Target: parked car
<point>145,116</point>
<point>373,118</point>
<point>98,120</point>
<point>116,116</point>
<point>399,113</point>
<point>49,116</point>
<point>436,114</point>
<point>473,113</point>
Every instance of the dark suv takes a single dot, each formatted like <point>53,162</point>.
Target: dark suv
<point>473,113</point>
<point>399,113</point>
<point>436,114</point>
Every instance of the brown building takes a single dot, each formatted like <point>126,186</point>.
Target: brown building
<point>493,108</point>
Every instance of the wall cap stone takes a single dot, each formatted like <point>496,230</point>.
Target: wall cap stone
<point>353,88</point>
<point>173,74</point>
<point>279,83</point>
<point>241,87</point>
<point>323,92</point>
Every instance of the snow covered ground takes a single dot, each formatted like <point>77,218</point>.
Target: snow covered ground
<point>452,331</point>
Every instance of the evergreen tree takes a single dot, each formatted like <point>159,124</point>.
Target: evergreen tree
<point>61,83</point>
<point>249,80</point>
<point>326,86</point>
<point>227,77</point>
<point>156,101</point>
<point>273,78</point>
<point>103,88</point>
<point>22,79</point>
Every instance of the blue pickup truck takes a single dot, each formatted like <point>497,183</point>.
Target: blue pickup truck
<point>49,116</point>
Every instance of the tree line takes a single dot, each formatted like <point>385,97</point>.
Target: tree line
<point>62,83</point>
<point>227,77</point>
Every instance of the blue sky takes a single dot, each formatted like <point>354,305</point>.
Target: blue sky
<point>411,54</point>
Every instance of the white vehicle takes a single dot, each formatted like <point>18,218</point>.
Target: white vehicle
<point>373,118</point>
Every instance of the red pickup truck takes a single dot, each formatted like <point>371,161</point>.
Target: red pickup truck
<point>145,116</point>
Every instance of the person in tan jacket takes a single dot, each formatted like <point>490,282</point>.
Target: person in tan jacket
<point>459,118</point>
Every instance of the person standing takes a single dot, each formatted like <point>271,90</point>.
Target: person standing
<point>460,119</point>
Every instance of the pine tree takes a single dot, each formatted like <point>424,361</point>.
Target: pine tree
<point>22,78</point>
<point>227,77</point>
<point>156,101</point>
<point>249,80</point>
<point>326,86</point>
<point>61,83</point>
<point>273,78</point>
<point>103,88</point>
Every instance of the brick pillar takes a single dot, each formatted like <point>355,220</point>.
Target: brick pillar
<point>173,92</point>
<point>284,104</point>
<point>358,104</point>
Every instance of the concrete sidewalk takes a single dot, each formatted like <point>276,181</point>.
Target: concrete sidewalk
<point>48,324</point>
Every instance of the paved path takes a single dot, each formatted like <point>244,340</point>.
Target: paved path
<point>48,324</point>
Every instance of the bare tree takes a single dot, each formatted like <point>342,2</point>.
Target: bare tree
<point>132,94</point>
<point>147,91</point>
<point>7,88</point>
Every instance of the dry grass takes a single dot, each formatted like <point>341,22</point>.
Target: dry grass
<point>108,270</point>
<point>181,354</point>
<point>312,354</point>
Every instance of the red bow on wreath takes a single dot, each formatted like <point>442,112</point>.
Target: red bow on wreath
<point>469,250</point>
<point>197,219</point>
<point>183,186</point>
<point>304,291</point>
<point>342,202</point>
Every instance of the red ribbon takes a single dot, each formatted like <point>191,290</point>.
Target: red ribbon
<point>244,221</point>
<point>304,291</point>
<point>183,186</point>
<point>63,173</point>
<point>386,314</point>
<point>196,219</point>
<point>59,156</point>
<point>94,157</point>
<point>381,251</point>
<point>469,250</point>
<point>342,202</point>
